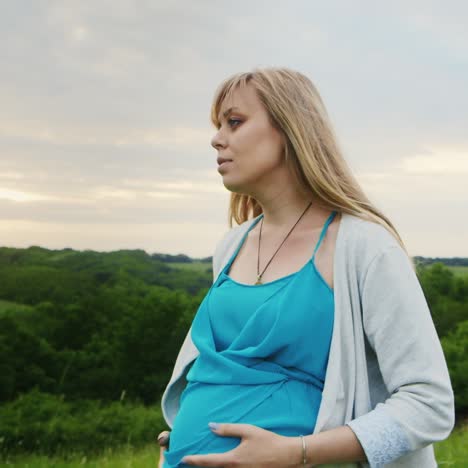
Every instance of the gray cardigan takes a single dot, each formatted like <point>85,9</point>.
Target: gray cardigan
<point>386,377</point>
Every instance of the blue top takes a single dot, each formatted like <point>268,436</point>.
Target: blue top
<point>263,357</point>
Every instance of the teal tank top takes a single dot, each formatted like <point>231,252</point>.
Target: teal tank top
<point>263,357</point>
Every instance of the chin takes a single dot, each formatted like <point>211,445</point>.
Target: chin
<point>233,187</point>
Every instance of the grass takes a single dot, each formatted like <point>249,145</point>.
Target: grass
<point>127,457</point>
<point>8,305</point>
<point>459,270</point>
<point>452,453</point>
<point>193,266</point>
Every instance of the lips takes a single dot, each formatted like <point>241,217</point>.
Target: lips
<point>221,160</point>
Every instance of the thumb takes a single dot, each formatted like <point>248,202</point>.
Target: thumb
<point>229,429</point>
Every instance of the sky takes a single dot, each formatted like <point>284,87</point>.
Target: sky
<point>104,116</point>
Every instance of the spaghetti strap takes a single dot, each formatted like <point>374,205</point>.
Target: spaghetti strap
<point>255,221</point>
<point>324,231</point>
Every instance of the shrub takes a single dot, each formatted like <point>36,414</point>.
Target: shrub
<point>43,423</point>
<point>455,346</point>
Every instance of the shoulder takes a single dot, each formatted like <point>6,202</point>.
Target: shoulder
<point>228,242</point>
<point>359,242</point>
<point>230,236</point>
<point>364,237</point>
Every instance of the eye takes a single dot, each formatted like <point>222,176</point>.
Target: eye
<point>234,121</point>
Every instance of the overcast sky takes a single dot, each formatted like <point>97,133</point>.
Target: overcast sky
<point>104,114</point>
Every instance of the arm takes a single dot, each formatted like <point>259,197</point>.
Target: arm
<point>400,330</point>
<point>260,447</point>
<point>337,445</point>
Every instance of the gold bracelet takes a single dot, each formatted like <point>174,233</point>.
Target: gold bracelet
<point>304,461</point>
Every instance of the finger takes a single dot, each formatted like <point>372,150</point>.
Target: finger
<point>163,438</point>
<point>212,459</point>
<point>235,430</point>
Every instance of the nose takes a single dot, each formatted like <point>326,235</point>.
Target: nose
<point>217,141</point>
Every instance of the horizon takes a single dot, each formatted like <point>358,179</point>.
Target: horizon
<point>179,253</point>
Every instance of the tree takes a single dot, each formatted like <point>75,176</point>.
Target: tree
<point>455,347</point>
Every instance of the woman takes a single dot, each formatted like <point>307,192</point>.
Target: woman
<point>314,344</point>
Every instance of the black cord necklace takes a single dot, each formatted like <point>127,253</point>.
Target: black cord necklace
<point>259,275</point>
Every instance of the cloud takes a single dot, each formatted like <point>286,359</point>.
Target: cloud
<point>439,161</point>
<point>105,106</point>
<point>11,176</point>
<point>17,196</point>
<point>161,137</point>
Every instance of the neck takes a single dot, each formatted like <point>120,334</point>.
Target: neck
<point>283,209</point>
<point>282,203</point>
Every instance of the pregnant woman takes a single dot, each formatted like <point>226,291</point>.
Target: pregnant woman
<point>315,344</point>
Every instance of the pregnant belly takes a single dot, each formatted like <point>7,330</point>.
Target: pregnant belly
<point>288,408</point>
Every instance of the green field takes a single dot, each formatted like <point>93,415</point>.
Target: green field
<point>7,305</point>
<point>452,452</point>
<point>197,267</point>
<point>192,266</point>
<point>459,270</point>
<point>123,458</point>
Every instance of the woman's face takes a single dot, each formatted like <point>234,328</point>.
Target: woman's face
<point>252,147</point>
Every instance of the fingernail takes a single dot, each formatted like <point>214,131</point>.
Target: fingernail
<point>213,426</point>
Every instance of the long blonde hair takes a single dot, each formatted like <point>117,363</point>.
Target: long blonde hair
<point>312,153</point>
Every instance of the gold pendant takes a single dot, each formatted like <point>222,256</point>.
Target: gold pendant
<point>259,280</point>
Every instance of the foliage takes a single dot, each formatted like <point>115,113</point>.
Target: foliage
<point>43,423</point>
<point>455,347</point>
<point>95,324</point>
<point>451,261</point>
<point>447,296</point>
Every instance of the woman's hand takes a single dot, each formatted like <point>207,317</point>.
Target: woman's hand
<point>163,442</point>
<point>258,448</point>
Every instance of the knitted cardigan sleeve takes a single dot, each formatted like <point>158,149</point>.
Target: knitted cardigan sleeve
<point>399,328</point>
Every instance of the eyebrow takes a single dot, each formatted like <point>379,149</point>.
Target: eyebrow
<point>226,113</point>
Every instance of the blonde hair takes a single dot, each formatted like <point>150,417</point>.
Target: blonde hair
<point>312,153</point>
